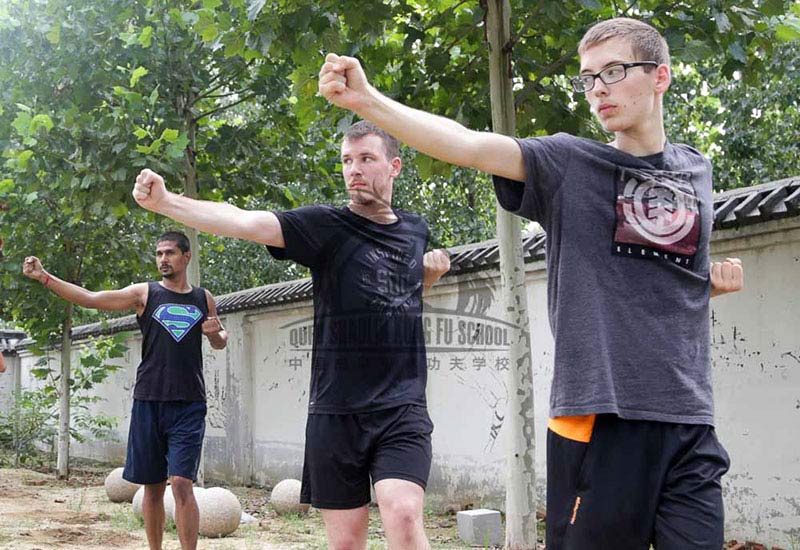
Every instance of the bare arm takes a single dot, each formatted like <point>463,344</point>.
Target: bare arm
<point>219,218</point>
<point>2,363</point>
<point>132,297</point>
<point>726,277</point>
<point>342,81</point>
<point>212,326</point>
<point>434,265</point>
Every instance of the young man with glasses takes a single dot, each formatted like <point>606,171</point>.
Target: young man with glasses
<point>633,459</point>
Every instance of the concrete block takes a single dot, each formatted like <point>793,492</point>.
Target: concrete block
<point>480,527</point>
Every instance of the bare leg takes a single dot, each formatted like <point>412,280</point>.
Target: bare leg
<point>401,504</point>
<point>346,529</point>
<point>153,511</point>
<point>187,516</point>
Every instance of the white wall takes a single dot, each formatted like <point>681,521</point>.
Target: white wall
<point>257,388</point>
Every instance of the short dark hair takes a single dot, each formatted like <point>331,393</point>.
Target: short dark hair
<point>646,42</point>
<point>364,128</point>
<point>178,237</point>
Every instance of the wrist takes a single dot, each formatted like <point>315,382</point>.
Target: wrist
<point>45,278</point>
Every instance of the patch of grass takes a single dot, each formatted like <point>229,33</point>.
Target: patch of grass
<point>76,505</point>
<point>124,519</point>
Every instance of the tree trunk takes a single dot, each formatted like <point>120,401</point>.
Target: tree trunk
<point>62,465</point>
<point>193,272</point>
<point>518,423</point>
<point>17,408</point>
<point>190,190</point>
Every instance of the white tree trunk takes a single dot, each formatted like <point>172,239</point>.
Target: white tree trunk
<point>62,465</point>
<point>518,422</point>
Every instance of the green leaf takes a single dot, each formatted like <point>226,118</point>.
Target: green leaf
<point>209,33</point>
<point>54,36</point>
<point>140,133</point>
<point>211,4</point>
<point>22,124</point>
<point>170,135</point>
<point>23,158</point>
<point>6,186</point>
<point>788,31</point>
<point>723,23</point>
<point>696,50</point>
<point>41,121</point>
<point>119,210</point>
<point>146,37</point>
<point>737,51</point>
<point>177,149</point>
<point>137,73</point>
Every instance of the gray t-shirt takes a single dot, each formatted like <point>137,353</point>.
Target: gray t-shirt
<point>628,275</point>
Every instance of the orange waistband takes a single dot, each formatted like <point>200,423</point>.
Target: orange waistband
<point>577,428</point>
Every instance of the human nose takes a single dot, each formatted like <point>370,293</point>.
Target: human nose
<point>600,88</point>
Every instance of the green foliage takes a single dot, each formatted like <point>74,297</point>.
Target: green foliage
<point>32,423</point>
<point>751,132</point>
<point>224,92</point>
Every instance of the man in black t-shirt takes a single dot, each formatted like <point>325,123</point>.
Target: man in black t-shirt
<point>367,411</point>
<point>169,408</point>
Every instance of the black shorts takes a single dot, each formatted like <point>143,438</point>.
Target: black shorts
<point>635,483</point>
<point>165,439</point>
<point>343,451</point>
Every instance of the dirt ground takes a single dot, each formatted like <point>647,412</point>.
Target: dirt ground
<point>40,512</point>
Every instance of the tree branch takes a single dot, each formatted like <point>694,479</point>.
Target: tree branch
<point>224,107</point>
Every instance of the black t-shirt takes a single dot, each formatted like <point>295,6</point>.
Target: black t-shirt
<point>172,339</point>
<point>369,347</point>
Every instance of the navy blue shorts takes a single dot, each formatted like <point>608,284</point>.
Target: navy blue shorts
<point>165,439</point>
<point>630,484</point>
<point>343,451</point>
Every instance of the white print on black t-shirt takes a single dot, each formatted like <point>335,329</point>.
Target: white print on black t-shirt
<point>658,216</point>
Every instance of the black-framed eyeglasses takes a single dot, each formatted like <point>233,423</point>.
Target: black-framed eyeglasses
<point>585,82</point>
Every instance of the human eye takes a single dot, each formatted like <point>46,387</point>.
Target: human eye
<point>614,71</point>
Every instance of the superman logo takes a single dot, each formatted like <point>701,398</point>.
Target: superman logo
<point>178,319</point>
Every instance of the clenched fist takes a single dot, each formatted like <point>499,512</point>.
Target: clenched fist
<point>211,326</point>
<point>149,190</point>
<point>342,82</point>
<point>727,276</point>
<point>32,268</point>
<point>437,261</point>
<point>434,264</point>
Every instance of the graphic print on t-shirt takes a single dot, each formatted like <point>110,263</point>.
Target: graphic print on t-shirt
<point>387,277</point>
<point>658,216</point>
<point>178,319</point>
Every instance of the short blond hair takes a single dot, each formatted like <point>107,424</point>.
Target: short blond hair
<point>646,42</point>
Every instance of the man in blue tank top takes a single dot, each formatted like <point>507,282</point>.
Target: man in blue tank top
<point>169,408</point>
<point>368,421</point>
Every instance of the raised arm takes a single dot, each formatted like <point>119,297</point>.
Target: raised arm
<point>212,326</point>
<point>342,81</point>
<point>219,218</point>
<point>133,297</point>
<point>434,265</point>
<point>726,277</point>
